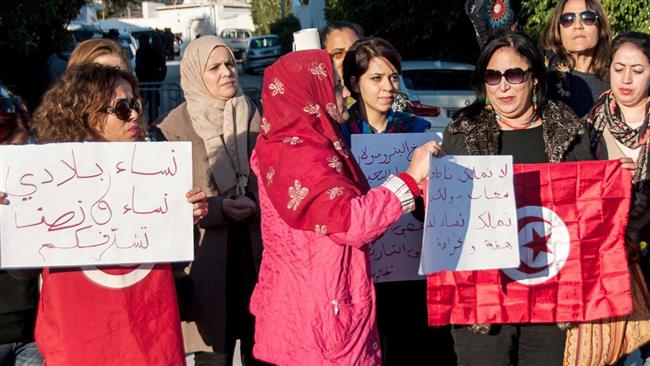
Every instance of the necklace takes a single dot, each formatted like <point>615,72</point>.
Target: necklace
<point>533,122</point>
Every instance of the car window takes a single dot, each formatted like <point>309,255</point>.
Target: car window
<point>438,79</point>
<point>243,34</point>
<point>265,42</point>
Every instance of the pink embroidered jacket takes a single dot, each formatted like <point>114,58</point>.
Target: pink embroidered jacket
<point>314,303</point>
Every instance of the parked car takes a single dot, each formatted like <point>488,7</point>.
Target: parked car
<point>237,40</point>
<point>261,51</point>
<point>437,89</point>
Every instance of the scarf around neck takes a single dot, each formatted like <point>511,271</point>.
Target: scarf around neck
<point>305,166</point>
<point>606,114</point>
<point>222,125</point>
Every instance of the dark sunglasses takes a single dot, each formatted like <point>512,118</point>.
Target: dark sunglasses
<point>587,17</point>
<point>513,76</point>
<point>122,108</point>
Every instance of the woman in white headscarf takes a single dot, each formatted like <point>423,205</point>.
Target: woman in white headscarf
<point>222,124</point>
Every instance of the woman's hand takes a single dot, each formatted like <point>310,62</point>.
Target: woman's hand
<point>627,163</point>
<point>419,166</point>
<point>199,201</point>
<point>3,199</point>
<point>238,208</point>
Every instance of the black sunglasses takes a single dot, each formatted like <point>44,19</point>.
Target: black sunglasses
<point>513,76</point>
<point>122,108</point>
<point>587,17</point>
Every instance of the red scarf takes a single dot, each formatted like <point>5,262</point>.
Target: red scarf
<point>305,166</point>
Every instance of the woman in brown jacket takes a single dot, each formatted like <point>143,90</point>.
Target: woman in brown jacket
<point>222,124</point>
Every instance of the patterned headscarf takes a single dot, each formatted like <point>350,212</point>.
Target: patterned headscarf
<point>607,114</point>
<point>306,167</point>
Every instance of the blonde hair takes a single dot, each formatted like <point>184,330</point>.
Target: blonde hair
<point>88,51</point>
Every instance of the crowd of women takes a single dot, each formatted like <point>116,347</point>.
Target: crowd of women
<point>284,215</point>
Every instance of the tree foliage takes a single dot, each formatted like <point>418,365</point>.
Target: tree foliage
<point>284,28</point>
<point>623,15</point>
<point>419,29</point>
<point>265,12</point>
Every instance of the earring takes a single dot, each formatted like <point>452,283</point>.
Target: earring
<point>488,104</point>
<point>535,101</point>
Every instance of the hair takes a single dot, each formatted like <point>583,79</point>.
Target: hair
<point>637,39</point>
<point>358,59</point>
<point>526,48</point>
<point>338,25</point>
<point>552,40</point>
<point>74,109</point>
<point>88,51</point>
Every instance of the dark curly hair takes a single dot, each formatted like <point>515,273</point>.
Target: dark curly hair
<point>74,109</point>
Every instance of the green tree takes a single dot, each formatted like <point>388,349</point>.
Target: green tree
<point>265,12</point>
<point>30,31</point>
<point>623,15</point>
<point>419,29</point>
<point>284,28</point>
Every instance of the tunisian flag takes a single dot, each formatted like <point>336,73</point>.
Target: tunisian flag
<point>571,219</point>
<point>109,316</point>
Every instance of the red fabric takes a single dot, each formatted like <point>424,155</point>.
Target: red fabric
<point>81,322</point>
<point>410,182</point>
<point>592,199</point>
<point>302,155</point>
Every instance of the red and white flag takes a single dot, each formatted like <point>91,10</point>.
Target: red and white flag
<point>110,316</point>
<point>571,220</point>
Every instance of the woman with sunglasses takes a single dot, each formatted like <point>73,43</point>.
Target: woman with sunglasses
<point>577,41</point>
<point>512,116</point>
<point>222,124</point>
<point>620,127</point>
<point>89,103</point>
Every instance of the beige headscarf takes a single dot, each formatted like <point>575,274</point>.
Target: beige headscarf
<point>223,126</point>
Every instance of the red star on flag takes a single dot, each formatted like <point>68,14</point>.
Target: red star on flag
<point>538,244</point>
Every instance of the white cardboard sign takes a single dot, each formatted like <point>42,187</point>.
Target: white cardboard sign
<point>75,204</point>
<point>396,255</point>
<point>471,215</point>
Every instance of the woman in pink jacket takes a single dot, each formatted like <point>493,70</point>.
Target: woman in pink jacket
<point>314,303</point>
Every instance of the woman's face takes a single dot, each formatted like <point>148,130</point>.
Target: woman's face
<point>220,74</point>
<point>115,129</point>
<point>337,44</point>
<point>630,75</point>
<point>111,59</point>
<point>376,87</point>
<point>510,100</point>
<point>578,37</point>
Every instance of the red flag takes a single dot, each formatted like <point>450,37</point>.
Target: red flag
<point>572,219</point>
<point>116,316</point>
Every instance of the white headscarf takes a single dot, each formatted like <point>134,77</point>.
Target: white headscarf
<point>223,125</point>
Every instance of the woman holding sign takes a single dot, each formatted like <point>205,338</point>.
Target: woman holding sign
<point>371,70</point>
<point>109,315</point>
<point>512,116</point>
<point>314,302</point>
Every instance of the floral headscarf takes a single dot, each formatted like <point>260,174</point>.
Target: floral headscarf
<point>305,166</point>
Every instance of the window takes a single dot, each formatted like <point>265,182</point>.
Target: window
<point>438,79</point>
<point>265,42</point>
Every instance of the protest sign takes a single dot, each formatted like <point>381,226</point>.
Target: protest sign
<point>396,255</point>
<point>95,203</point>
<point>471,216</point>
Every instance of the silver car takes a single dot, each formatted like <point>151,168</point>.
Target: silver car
<point>437,89</point>
<point>262,51</point>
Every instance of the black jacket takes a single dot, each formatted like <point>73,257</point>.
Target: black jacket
<point>565,135</point>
